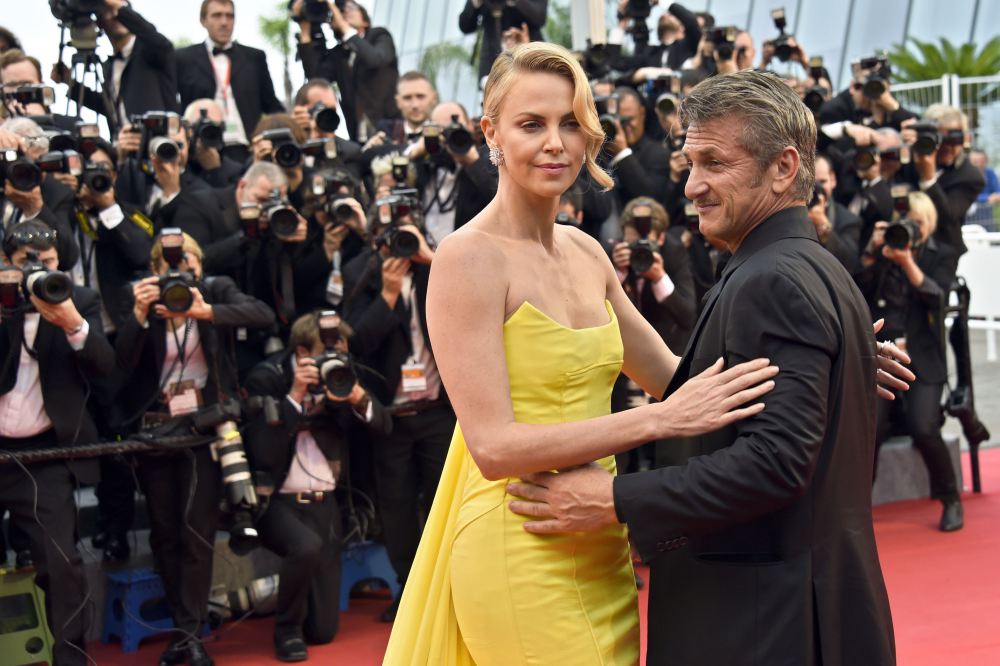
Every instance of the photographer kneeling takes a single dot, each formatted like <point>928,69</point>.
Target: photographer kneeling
<point>178,362</point>
<point>906,276</point>
<point>320,403</point>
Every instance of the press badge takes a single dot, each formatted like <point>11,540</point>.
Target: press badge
<point>184,398</point>
<point>335,288</point>
<point>414,377</point>
<point>241,334</point>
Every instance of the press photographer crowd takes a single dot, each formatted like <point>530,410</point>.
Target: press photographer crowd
<point>218,302</point>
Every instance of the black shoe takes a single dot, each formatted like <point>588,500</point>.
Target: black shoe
<point>389,614</point>
<point>174,654</point>
<point>197,656</point>
<point>952,516</point>
<point>116,548</point>
<point>292,648</point>
<point>23,559</point>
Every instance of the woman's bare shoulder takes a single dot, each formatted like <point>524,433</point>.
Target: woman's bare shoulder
<point>586,244</point>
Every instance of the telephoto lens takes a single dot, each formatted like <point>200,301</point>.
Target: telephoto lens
<point>50,286</point>
<point>326,118</point>
<point>286,153</point>
<point>642,256</point>
<point>928,138</point>
<point>458,139</point>
<point>210,134</point>
<point>23,174</point>
<point>97,177</point>
<point>175,292</point>
<point>898,235</point>
<point>238,481</point>
<point>402,244</point>
<point>864,159</point>
<point>164,149</point>
<point>336,374</point>
<point>283,221</point>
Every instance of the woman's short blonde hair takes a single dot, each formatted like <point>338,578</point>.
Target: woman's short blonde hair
<point>922,204</point>
<point>156,260</point>
<point>552,59</point>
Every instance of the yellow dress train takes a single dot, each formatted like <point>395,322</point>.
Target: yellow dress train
<point>484,592</point>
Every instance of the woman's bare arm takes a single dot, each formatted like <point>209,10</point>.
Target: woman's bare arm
<point>466,305</point>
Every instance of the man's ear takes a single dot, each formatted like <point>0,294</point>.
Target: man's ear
<point>786,169</point>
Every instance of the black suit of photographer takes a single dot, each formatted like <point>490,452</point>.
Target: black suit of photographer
<point>675,54</point>
<point>842,108</point>
<point>56,211</point>
<point>475,185</point>
<point>408,462</point>
<point>182,490</point>
<point>63,374</point>
<point>365,70</point>
<point>917,314</point>
<point>149,80</point>
<point>532,12</point>
<point>845,236</point>
<point>644,172</point>
<point>871,199</point>
<point>953,193</point>
<point>307,536</point>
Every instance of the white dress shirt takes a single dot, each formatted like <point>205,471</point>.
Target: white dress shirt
<point>117,69</point>
<point>193,367</point>
<point>235,133</point>
<point>421,352</point>
<point>22,410</point>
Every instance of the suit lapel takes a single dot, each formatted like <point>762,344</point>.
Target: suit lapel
<point>683,371</point>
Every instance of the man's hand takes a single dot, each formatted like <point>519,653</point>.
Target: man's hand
<point>887,102</point>
<point>306,375</point>
<point>333,238</point>
<point>424,255</point>
<point>467,158</point>
<point>900,257</point>
<point>878,237</point>
<point>678,165</point>
<point>621,257</point>
<point>619,143</point>
<point>64,315</point>
<point>209,158</point>
<point>512,37</point>
<point>146,292</point>
<point>262,149</point>
<point>301,231</point>
<point>862,136</point>
<point>302,118</point>
<point>890,373</point>
<point>337,20</point>
<point>67,179</point>
<point>656,271</point>
<point>30,203</point>
<point>167,175</point>
<point>577,500</point>
<point>129,142</point>
<point>393,271</point>
<point>61,73</point>
<point>356,395</point>
<point>926,165</point>
<point>375,141</point>
<point>820,220</point>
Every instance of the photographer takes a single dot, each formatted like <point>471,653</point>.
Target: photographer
<point>868,100</point>
<point>363,64</point>
<point>385,305</point>
<point>940,167</point>
<point>906,277</point>
<point>415,99</point>
<point>679,34</point>
<point>495,17</point>
<point>315,113</point>
<point>860,186</point>
<point>17,71</point>
<point>45,198</point>
<point>639,164</point>
<point>176,349</point>
<point>453,173</point>
<point>234,75</point>
<point>298,462</point>
<point>139,77</point>
<point>205,123</point>
<point>47,350</point>
<point>839,229</point>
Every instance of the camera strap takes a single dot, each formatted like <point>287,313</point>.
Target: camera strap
<point>447,204</point>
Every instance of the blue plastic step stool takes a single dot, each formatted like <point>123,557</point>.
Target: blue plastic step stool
<point>134,607</point>
<point>365,560</point>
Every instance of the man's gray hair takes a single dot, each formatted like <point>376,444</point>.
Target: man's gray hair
<point>29,130</point>
<point>774,118</point>
<point>943,113</point>
<point>267,170</point>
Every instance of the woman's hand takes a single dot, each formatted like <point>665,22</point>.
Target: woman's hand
<point>890,373</point>
<point>715,398</point>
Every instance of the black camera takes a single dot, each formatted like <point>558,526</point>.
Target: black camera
<point>282,219</point>
<point>176,285</point>
<point>782,48</point>
<point>156,128</point>
<point>17,285</point>
<point>82,139</point>
<point>818,194</point>
<point>607,114</point>
<point>23,174</point>
<point>336,373</point>
<point>401,169</point>
<point>675,142</point>
<point>724,40</point>
<point>285,152</point>
<point>876,81</point>
<point>457,138</point>
<point>325,117</point>
<point>816,69</point>
<point>864,158</point>
<point>814,98</point>
<point>666,91</point>
<point>903,231</point>
<point>642,255</point>
<point>315,11</point>
<point>59,161</point>
<point>209,133</point>
<point>393,212</point>
<point>928,138</point>
<point>72,11</point>
<point>32,94</point>
<point>97,177</point>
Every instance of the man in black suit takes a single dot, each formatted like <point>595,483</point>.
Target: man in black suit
<point>48,351</point>
<point>495,18</point>
<point>838,229</point>
<point>679,34</point>
<point>762,545</point>
<point>299,463</point>
<point>18,69</point>
<point>863,192</point>
<point>206,161</point>
<point>946,175</point>
<point>315,95</point>
<point>234,75</point>
<point>639,164</point>
<point>139,77</point>
<point>363,64</point>
<point>384,303</point>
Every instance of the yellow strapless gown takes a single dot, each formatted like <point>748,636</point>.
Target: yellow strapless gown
<point>483,591</point>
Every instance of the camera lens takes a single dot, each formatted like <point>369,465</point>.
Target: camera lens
<point>642,257</point>
<point>50,286</point>
<point>403,244</point>
<point>175,295</point>
<point>900,234</point>
<point>24,176</point>
<point>873,88</point>
<point>338,376</point>
<point>164,149</point>
<point>343,212</point>
<point>460,140</point>
<point>608,125</point>
<point>97,181</point>
<point>925,144</point>
<point>863,160</point>
<point>666,104</point>
<point>327,119</point>
<point>283,221</point>
<point>288,156</point>
<point>210,135</point>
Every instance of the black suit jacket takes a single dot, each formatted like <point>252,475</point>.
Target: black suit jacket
<point>149,81</point>
<point>844,241</point>
<point>842,108</point>
<point>532,12</point>
<point>382,336</point>
<point>475,186</point>
<point>673,318</point>
<point>681,49</point>
<point>271,448</point>
<point>57,212</point>
<point>767,531</point>
<point>876,202</point>
<point>644,172</point>
<point>63,372</point>
<point>250,79</point>
<point>953,194</point>
<point>365,69</point>
<point>141,350</point>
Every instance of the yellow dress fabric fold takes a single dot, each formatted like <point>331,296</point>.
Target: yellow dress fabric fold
<point>484,592</point>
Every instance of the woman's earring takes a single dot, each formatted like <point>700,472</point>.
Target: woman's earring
<point>496,155</point>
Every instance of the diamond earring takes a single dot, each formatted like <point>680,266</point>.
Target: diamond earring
<point>496,155</point>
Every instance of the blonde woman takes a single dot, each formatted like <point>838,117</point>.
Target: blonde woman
<point>530,328</point>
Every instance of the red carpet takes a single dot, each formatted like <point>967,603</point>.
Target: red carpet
<point>944,591</point>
